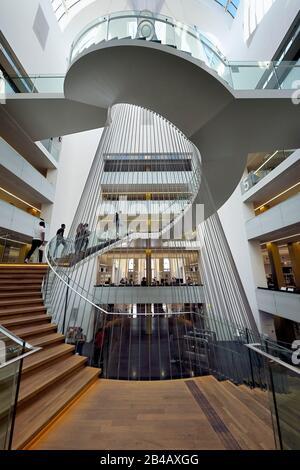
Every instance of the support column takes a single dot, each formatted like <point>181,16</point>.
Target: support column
<point>149,280</point>
<point>294,252</point>
<point>276,267</point>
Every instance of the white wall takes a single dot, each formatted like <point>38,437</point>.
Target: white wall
<point>77,154</point>
<point>16,22</point>
<point>247,257</point>
<point>273,20</point>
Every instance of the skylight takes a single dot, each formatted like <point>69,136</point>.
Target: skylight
<point>230,6</point>
<point>63,7</point>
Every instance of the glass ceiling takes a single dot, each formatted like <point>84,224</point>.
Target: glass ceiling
<point>230,6</point>
<point>62,7</point>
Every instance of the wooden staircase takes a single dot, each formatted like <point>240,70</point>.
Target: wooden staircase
<point>52,377</point>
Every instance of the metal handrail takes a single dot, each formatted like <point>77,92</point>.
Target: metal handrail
<point>254,347</point>
<point>20,342</point>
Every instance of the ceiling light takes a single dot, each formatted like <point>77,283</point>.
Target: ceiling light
<point>261,166</point>
<point>19,199</point>
<point>278,195</point>
<point>280,239</point>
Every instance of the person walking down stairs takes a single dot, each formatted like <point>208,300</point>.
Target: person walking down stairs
<point>37,242</point>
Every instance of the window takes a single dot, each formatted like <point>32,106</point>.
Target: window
<point>166,265</point>
<point>131,264</point>
<point>230,6</point>
<point>63,7</point>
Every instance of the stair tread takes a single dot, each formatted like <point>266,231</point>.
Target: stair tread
<point>47,339</point>
<point>20,295</point>
<point>21,310</point>
<point>260,396</point>
<point>34,330</point>
<point>34,383</point>
<point>11,322</point>
<point>30,306</point>
<point>251,431</point>
<point>247,397</point>
<point>20,280</point>
<point>46,355</point>
<point>31,420</point>
<point>20,287</point>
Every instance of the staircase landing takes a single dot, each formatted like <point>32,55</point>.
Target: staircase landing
<point>194,414</point>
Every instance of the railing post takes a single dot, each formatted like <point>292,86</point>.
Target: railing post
<point>250,360</point>
<point>13,419</point>
<point>66,307</point>
<point>274,400</point>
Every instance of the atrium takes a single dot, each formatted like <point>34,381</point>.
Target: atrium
<point>149,225</point>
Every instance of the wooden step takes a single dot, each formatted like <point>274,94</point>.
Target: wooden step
<point>32,301</point>
<point>47,340</point>
<point>33,331</point>
<point>20,275</point>
<point>13,323</point>
<point>20,295</point>
<point>19,288</point>
<point>45,356</point>
<point>33,384</point>
<point>252,432</point>
<point>22,281</point>
<point>260,396</point>
<point>248,399</point>
<point>4,312</point>
<point>31,420</point>
<point>24,267</point>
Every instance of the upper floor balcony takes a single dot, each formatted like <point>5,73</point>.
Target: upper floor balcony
<point>21,179</point>
<point>283,303</point>
<point>269,173</point>
<point>282,220</point>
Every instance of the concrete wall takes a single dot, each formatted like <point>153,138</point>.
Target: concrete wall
<point>247,256</point>
<point>281,216</point>
<point>282,304</point>
<point>16,220</point>
<point>21,178</point>
<point>16,23</point>
<point>258,29</point>
<point>77,154</point>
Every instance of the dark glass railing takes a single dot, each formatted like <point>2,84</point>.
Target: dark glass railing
<point>12,352</point>
<point>283,382</point>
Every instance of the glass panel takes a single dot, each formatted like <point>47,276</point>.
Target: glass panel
<point>286,404</point>
<point>8,387</point>
<point>188,42</point>
<point>272,161</point>
<point>122,28</point>
<point>51,84</point>
<point>288,75</point>
<point>253,76</point>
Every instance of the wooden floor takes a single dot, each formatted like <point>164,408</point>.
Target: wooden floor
<point>195,414</point>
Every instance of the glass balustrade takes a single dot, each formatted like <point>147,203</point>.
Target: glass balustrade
<point>31,84</point>
<point>283,381</point>
<point>271,161</point>
<point>164,30</point>
<point>161,29</point>
<point>12,351</point>
<point>53,146</point>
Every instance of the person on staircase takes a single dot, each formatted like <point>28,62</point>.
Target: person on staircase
<point>60,238</point>
<point>38,241</point>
